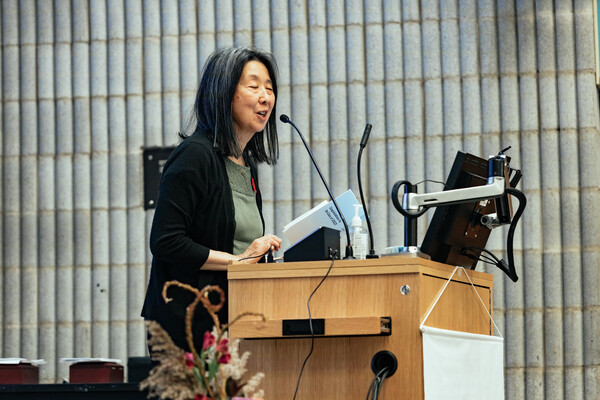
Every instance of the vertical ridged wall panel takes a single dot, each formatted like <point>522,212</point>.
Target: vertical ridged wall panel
<point>414,96</point>
<point>10,180</point>
<point>283,177</point>
<point>1,186</point>
<point>434,91</point>
<point>65,237</point>
<point>303,173</point>
<point>153,126</point>
<point>100,189</point>
<point>117,175</point>
<point>469,69</point>
<point>188,58</point>
<point>375,183</point>
<point>338,95</point>
<point>570,199</point>
<point>589,148</point>
<point>224,22</point>
<point>87,85</point>
<point>394,111</point>
<point>82,170</point>
<point>206,30</point>
<point>136,217</point>
<point>242,22</point>
<point>261,37</point>
<point>452,104</point>
<point>319,113</point>
<point>514,328</point>
<point>45,254</point>
<point>30,193</point>
<point>170,72</point>
<point>553,272</point>
<point>151,72</point>
<point>532,276</point>
<point>490,128</point>
<point>356,85</point>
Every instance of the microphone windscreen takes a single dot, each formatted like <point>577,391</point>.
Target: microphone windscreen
<point>365,137</point>
<point>284,118</point>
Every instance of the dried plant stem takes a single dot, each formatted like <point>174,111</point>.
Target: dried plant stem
<point>189,315</point>
<point>223,384</point>
<point>245,314</point>
<point>212,309</point>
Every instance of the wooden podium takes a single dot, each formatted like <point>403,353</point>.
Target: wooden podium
<point>364,306</point>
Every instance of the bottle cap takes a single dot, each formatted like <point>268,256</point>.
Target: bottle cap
<point>356,221</point>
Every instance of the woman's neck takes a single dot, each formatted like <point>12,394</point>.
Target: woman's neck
<point>238,160</point>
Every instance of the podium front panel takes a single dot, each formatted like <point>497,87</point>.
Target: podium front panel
<point>401,288</point>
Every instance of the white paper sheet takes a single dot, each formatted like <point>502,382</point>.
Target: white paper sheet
<point>87,359</point>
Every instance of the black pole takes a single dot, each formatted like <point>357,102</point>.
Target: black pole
<point>410,224</point>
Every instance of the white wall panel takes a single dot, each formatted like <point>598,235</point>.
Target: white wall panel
<point>87,85</point>
<point>29,189</point>
<point>10,180</point>
<point>63,346</point>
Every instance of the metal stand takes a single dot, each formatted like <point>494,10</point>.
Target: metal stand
<point>410,232</point>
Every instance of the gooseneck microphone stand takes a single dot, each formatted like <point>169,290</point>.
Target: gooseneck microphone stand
<point>285,119</point>
<point>363,144</point>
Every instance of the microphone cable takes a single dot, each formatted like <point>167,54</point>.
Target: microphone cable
<point>312,334</point>
<point>258,256</point>
<point>376,384</point>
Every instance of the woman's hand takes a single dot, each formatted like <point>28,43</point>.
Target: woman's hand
<point>259,247</point>
<point>218,260</point>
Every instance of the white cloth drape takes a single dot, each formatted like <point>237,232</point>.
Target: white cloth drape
<point>461,365</point>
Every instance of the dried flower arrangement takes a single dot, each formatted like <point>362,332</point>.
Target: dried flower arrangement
<point>213,374</point>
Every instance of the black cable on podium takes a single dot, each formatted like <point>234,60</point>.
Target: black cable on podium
<point>312,333</point>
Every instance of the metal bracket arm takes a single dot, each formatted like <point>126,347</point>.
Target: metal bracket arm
<point>493,189</point>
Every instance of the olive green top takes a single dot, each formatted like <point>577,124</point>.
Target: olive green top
<point>248,224</point>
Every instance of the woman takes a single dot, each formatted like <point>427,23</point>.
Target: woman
<point>208,211</point>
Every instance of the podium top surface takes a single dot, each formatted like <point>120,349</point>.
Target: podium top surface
<point>396,264</point>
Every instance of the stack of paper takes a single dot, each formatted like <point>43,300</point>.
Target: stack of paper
<point>325,215</point>
<point>17,360</point>
<point>89,359</point>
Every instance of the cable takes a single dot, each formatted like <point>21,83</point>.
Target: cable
<point>433,181</point>
<point>312,334</point>
<point>508,269</point>
<point>376,383</point>
<point>491,259</point>
<point>399,207</point>
<point>258,256</point>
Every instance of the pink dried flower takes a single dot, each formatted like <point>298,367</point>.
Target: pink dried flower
<point>222,346</point>
<point>209,340</point>
<point>224,359</point>
<point>189,360</point>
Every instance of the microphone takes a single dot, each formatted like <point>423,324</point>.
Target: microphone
<point>365,137</point>
<point>286,120</point>
<point>363,144</point>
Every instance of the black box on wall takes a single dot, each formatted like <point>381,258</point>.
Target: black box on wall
<point>154,161</point>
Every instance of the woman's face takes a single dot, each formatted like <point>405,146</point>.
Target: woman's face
<point>253,101</point>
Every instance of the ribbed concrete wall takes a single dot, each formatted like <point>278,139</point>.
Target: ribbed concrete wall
<point>87,84</point>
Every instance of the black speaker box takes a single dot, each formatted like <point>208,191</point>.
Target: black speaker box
<point>319,245</point>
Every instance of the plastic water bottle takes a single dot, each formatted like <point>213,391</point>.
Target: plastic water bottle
<point>358,235</point>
